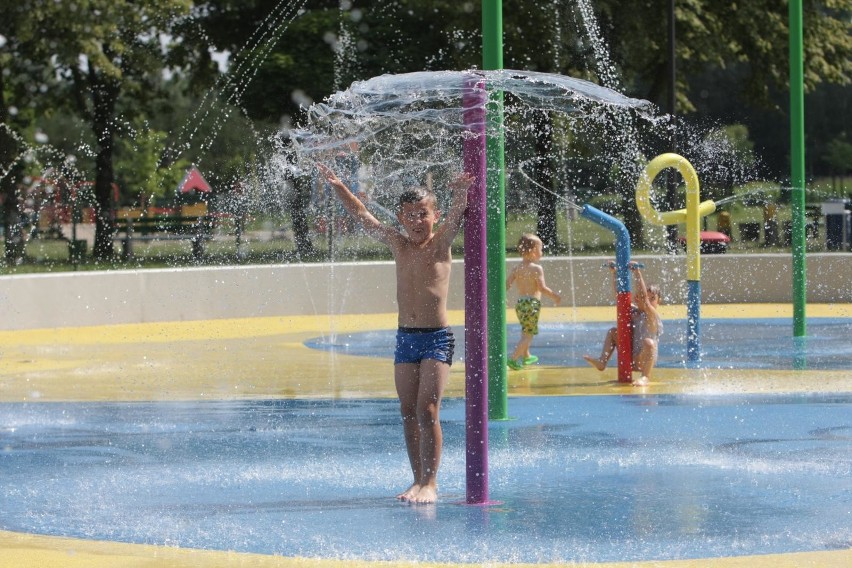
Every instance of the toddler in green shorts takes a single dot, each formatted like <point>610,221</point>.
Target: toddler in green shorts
<point>529,279</point>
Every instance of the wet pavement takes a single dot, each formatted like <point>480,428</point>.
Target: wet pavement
<point>591,479</point>
<point>726,343</point>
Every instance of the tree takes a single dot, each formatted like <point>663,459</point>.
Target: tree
<point>839,157</point>
<point>11,168</point>
<point>620,44</point>
<point>138,165</point>
<point>136,70</point>
<point>16,80</point>
<point>281,54</point>
<point>718,35</point>
<point>109,53</point>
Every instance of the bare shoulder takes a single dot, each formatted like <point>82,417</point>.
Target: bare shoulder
<point>534,269</point>
<point>525,268</point>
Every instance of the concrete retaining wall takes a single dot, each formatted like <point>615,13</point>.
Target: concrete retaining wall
<point>114,297</point>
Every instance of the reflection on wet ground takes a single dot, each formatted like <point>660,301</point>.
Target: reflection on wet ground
<point>753,343</point>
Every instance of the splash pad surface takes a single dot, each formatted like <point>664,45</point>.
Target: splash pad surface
<point>761,344</point>
<point>299,454</point>
<point>672,477</point>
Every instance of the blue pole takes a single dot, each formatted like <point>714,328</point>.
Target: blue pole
<point>693,328</point>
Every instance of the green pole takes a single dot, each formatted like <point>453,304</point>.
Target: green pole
<point>495,220</point>
<point>797,167</point>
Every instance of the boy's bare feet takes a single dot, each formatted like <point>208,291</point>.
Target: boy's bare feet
<point>410,493</point>
<point>595,362</point>
<point>640,382</point>
<point>427,494</point>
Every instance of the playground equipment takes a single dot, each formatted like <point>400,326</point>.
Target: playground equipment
<point>476,297</point>
<point>623,285</point>
<point>492,59</point>
<point>622,288</point>
<point>691,216</point>
<point>393,106</point>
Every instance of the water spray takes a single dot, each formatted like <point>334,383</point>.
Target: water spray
<point>564,200</point>
<point>734,198</point>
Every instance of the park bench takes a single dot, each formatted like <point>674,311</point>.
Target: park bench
<point>197,230</point>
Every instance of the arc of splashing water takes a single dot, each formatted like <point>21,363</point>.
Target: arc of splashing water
<point>691,215</point>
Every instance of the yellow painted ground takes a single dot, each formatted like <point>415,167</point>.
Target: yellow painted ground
<point>266,358</point>
<point>32,551</point>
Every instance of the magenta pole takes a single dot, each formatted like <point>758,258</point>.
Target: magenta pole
<point>475,297</point>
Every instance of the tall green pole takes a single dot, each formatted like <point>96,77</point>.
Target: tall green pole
<point>495,221</point>
<point>797,167</point>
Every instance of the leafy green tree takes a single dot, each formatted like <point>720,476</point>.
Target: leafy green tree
<point>11,167</point>
<point>621,44</point>
<point>720,35</point>
<point>109,53</point>
<point>17,108</point>
<point>138,168</point>
<point>281,54</point>
<point>839,157</point>
<point>204,129</point>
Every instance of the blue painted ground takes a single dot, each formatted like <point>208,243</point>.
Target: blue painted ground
<point>725,343</point>
<point>580,478</point>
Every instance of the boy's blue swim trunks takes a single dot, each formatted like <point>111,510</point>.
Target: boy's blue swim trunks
<point>413,344</point>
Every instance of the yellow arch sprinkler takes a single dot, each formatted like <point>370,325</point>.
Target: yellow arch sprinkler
<point>691,216</point>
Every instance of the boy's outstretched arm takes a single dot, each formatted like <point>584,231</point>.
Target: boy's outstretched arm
<point>355,206</point>
<point>460,185</point>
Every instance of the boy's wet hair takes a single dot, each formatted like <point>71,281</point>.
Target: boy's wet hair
<point>416,194</point>
<point>653,290</point>
<point>527,243</point>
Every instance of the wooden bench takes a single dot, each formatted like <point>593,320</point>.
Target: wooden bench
<point>197,230</point>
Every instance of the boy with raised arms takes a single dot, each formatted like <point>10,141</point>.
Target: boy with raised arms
<point>424,341</point>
